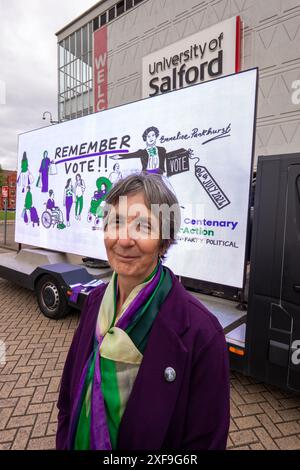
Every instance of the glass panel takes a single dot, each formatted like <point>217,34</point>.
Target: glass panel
<point>111,14</point>
<point>76,72</point>
<point>85,87</point>
<point>84,40</point>
<point>90,45</point>
<point>67,51</point>
<point>72,46</point>
<point>85,68</point>
<point>61,54</point>
<point>61,110</point>
<point>61,82</point>
<point>120,8</point>
<point>90,65</point>
<point>129,4</point>
<point>103,19</point>
<point>68,76</point>
<point>96,23</point>
<point>79,98</point>
<point>78,43</point>
<point>73,102</point>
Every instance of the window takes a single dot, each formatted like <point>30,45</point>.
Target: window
<point>67,49</point>
<point>90,35</point>
<point>120,8</point>
<point>136,2</point>
<point>78,43</point>
<point>111,14</point>
<point>103,19</point>
<point>72,46</point>
<point>96,23</point>
<point>84,40</point>
<point>129,4</point>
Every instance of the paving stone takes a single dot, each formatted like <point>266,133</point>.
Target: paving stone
<point>262,416</point>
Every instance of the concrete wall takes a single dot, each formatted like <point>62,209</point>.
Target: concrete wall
<point>271,42</point>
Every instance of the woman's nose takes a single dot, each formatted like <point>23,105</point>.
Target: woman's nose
<point>125,239</point>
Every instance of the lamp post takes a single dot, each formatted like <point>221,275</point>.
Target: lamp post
<point>50,115</point>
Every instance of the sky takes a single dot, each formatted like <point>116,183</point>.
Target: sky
<point>28,66</point>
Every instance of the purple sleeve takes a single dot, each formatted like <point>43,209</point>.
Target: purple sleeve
<point>64,398</point>
<point>208,414</point>
<point>50,204</point>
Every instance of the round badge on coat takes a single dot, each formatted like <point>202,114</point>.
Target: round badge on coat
<point>170,374</point>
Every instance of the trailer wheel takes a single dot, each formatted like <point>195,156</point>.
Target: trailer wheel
<point>51,299</point>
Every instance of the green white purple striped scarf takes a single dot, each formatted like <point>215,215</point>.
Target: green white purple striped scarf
<point>113,365</point>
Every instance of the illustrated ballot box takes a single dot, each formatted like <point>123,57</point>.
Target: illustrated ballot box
<point>177,162</point>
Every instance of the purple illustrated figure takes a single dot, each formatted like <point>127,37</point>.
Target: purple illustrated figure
<point>44,172</point>
<point>52,216</point>
<point>68,199</point>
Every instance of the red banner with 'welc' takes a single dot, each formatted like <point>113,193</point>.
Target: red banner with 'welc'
<point>100,69</point>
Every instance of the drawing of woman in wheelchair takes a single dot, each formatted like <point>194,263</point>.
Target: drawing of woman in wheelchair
<point>52,215</point>
<point>98,200</point>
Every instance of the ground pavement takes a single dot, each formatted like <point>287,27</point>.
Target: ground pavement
<point>262,417</point>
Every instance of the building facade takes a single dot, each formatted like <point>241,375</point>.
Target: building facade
<point>9,179</point>
<point>137,28</point>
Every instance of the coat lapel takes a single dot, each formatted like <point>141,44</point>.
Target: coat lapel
<point>153,399</point>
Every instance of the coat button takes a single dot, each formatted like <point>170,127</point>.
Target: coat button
<point>170,374</point>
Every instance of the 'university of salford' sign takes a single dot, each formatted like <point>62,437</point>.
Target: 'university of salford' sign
<point>205,55</point>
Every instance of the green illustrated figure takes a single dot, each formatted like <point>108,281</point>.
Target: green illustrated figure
<point>28,199</point>
<point>25,177</point>
<point>30,212</point>
<point>79,190</point>
<point>98,200</point>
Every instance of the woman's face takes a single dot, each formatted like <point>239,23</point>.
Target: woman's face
<point>151,138</point>
<point>132,238</point>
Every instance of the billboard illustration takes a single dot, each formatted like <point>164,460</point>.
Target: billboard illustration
<point>200,139</point>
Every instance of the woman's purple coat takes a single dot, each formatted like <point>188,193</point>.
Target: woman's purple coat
<point>191,412</point>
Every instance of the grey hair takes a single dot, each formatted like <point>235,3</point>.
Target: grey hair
<point>157,194</point>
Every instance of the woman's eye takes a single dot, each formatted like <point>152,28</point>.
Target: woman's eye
<point>144,228</point>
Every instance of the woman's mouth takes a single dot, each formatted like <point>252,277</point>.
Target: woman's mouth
<point>126,257</point>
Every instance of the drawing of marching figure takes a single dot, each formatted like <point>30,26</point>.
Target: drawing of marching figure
<point>29,211</point>
<point>52,215</point>
<point>79,190</point>
<point>43,179</point>
<point>25,177</point>
<point>98,200</point>
<point>116,174</point>
<point>68,199</point>
<point>153,157</point>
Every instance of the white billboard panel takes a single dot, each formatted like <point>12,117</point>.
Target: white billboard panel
<point>204,145</point>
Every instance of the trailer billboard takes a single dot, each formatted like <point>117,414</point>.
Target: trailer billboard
<point>204,137</point>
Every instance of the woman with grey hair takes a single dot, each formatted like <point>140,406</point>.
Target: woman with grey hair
<point>148,365</point>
